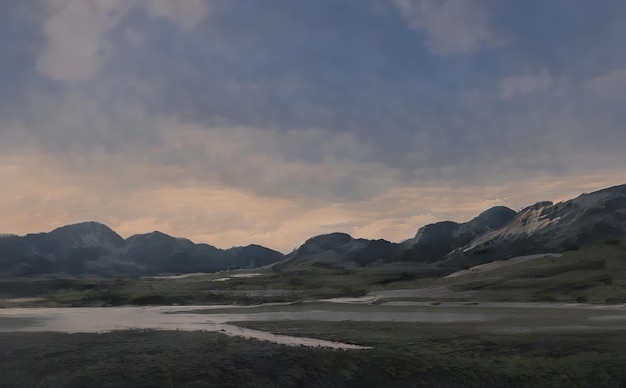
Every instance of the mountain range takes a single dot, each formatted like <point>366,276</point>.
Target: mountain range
<point>496,234</point>
<point>94,248</point>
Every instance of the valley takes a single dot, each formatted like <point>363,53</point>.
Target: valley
<point>591,274</point>
<point>460,304</point>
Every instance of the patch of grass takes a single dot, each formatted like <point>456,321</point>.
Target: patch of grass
<point>403,355</point>
<point>311,283</point>
<point>460,355</point>
<point>594,274</point>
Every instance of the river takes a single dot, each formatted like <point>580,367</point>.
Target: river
<point>493,317</point>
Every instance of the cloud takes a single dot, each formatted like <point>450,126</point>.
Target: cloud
<point>76,46</point>
<point>234,122</point>
<point>186,13</point>
<point>76,32</point>
<point>521,85</point>
<point>88,131</point>
<point>610,85</point>
<point>453,26</point>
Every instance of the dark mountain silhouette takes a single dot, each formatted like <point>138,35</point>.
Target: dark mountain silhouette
<point>434,241</point>
<point>496,234</point>
<point>339,250</point>
<point>93,248</point>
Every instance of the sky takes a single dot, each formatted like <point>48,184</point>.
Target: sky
<point>269,122</point>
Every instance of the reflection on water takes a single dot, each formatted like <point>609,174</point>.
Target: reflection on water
<point>97,320</point>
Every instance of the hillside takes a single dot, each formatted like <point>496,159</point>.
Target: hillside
<point>434,241</point>
<point>339,250</point>
<point>548,227</point>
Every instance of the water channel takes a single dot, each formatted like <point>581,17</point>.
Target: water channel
<point>493,317</point>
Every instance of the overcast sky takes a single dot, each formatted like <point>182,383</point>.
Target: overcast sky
<point>247,121</point>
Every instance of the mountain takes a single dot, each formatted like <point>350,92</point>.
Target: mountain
<point>84,235</point>
<point>434,241</point>
<point>69,249</point>
<point>340,250</point>
<point>496,234</point>
<point>549,227</point>
<point>253,255</point>
<point>94,248</point>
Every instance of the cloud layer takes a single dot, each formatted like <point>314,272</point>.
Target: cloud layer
<point>269,122</point>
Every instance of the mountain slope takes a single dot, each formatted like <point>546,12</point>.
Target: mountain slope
<point>548,227</point>
<point>432,242</point>
<point>71,249</point>
<point>338,249</point>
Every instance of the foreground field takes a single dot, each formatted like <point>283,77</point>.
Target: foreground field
<point>402,355</point>
<point>510,340</point>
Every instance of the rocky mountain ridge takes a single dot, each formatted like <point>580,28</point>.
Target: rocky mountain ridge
<point>495,234</point>
<point>430,244</point>
<point>550,227</point>
<point>434,241</point>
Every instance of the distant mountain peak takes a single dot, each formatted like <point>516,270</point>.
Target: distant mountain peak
<point>335,237</point>
<point>150,235</point>
<point>83,226</point>
<point>88,234</point>
<point>339,249</point>
<point>494,217</point>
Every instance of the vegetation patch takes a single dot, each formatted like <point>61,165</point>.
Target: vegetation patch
<point>403,355</point>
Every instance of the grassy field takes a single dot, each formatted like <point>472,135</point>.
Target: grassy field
<point>269,286</point>
<point>403,355</point>
<point>459,355</point>
<point>591,274</point>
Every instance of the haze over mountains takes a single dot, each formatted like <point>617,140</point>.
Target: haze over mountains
<point>495,234</point>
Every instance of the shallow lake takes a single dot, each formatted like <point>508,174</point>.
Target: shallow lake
<point>493,317</point>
